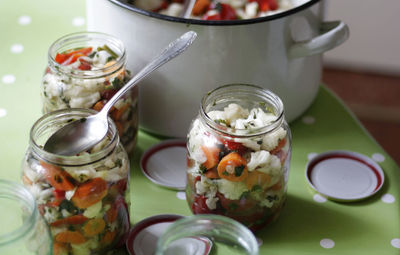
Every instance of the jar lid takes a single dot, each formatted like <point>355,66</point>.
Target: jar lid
<point>143,237</point>
<point>165,164</point>
<point>344,175</point>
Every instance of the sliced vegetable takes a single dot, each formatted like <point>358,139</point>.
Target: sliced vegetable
<point>57,177</point>
<point>108,238</point>
<point>212,155</point>
<point>233,167</point>
<point>90,193</point>
<point>94,227</point>
<point>60,248</point>
<point>71,220</point>
<point>71,237</point>
<point>257,178</point>
<point>199,205</point>
<point>212,173</point>
<point>200,7</point>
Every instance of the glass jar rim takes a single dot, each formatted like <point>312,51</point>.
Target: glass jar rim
<point>82,37</point>
<point>16,191</point>
<point>274,100</point>
<point>204,224</point>
<point>71,160</point>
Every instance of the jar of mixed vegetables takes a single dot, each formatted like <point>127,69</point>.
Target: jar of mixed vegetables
<point>83,198</point>
<point>239,149</point>
<point>84,71</point>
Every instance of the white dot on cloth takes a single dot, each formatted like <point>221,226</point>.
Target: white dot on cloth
<point>319,199</point>
<point>378,157</point>
<point>388,198</point>
<point>17,48</point>
<point>78,21</point>
<point>327,243</point>
<point>311,155</point>
<point>8,79</point>
<point>308,120</point>
<point>3,112</point>
<point>395,243</point>
<point>259,241</point>
<point>181,195</point>
<point>24,20</point>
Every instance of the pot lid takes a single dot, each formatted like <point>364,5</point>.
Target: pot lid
<point>143,237</point>
<point>165,164</point>
<point>344,175</point>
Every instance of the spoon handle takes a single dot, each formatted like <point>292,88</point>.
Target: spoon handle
<point>174,49</point>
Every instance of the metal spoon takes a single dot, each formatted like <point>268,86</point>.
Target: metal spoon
<point>187,9</point>
<point>81,135</point>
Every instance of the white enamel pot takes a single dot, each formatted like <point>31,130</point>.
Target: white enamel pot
<point>281,52</point>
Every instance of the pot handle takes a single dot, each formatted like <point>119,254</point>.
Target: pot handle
<point>333,34</point>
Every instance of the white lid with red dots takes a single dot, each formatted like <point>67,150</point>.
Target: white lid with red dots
<point>344,175</point>
<point>165,164</point>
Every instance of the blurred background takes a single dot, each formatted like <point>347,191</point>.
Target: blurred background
<point>365,71</point>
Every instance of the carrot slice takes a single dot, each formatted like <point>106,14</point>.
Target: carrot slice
<point>71,220</point>
<point>90,193</point>
<point>212,155</point>
<point>72,237</point>
<point>108,237</point>
<point>257,178</point>
<point>83,51</point>
<point>200,7</point>
<point>117,113</point>
<point>94,227</point>
<point>233,167</point>
<point>98,106</point>
<point>60,248</point>
<point>57,177</point>
<point>212,173</point>
<point>111,214</point>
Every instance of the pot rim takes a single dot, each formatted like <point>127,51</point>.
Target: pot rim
<point>131,7</point>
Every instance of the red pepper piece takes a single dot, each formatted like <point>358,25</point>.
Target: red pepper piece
<point>227,12</point>
<point>199,205</point>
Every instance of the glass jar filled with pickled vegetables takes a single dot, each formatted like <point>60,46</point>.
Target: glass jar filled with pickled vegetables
<point>84,71</point>
<point>239,149</point>
<point>83,198</point>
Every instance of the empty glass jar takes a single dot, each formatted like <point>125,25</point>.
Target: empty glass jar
<point>83,198</point>
<point>239,149</point>
<point>23,230</point>
<point>225,236</point>
<point>84,71</point>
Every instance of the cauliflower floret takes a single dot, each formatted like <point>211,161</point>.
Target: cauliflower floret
<point>270,141</point>
<point>209,189</point>
<point>234,112</point>
<point>264,162</point>
<point>174,9</point>
<point>85,102</point>
<point>100,59</point>
<point>231,190</point>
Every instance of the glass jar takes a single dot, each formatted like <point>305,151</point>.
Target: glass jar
<point>23,230</point>
<point>227,236</point>
<point>239,149</point>
<point>83,198</point>
<point>84,71</point>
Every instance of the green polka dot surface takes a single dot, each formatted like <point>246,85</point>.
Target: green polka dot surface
<point>309,224</point>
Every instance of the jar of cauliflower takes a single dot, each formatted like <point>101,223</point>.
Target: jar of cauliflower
<point>83,198</point>
<point>239,149</point>
<point>84,71</point>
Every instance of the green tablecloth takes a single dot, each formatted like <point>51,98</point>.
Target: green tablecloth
<point>308,224</point>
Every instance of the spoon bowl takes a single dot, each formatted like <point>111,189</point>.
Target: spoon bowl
<point>83,134</point>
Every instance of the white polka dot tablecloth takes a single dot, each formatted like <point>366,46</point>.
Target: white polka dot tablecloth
<point>309,223</point>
